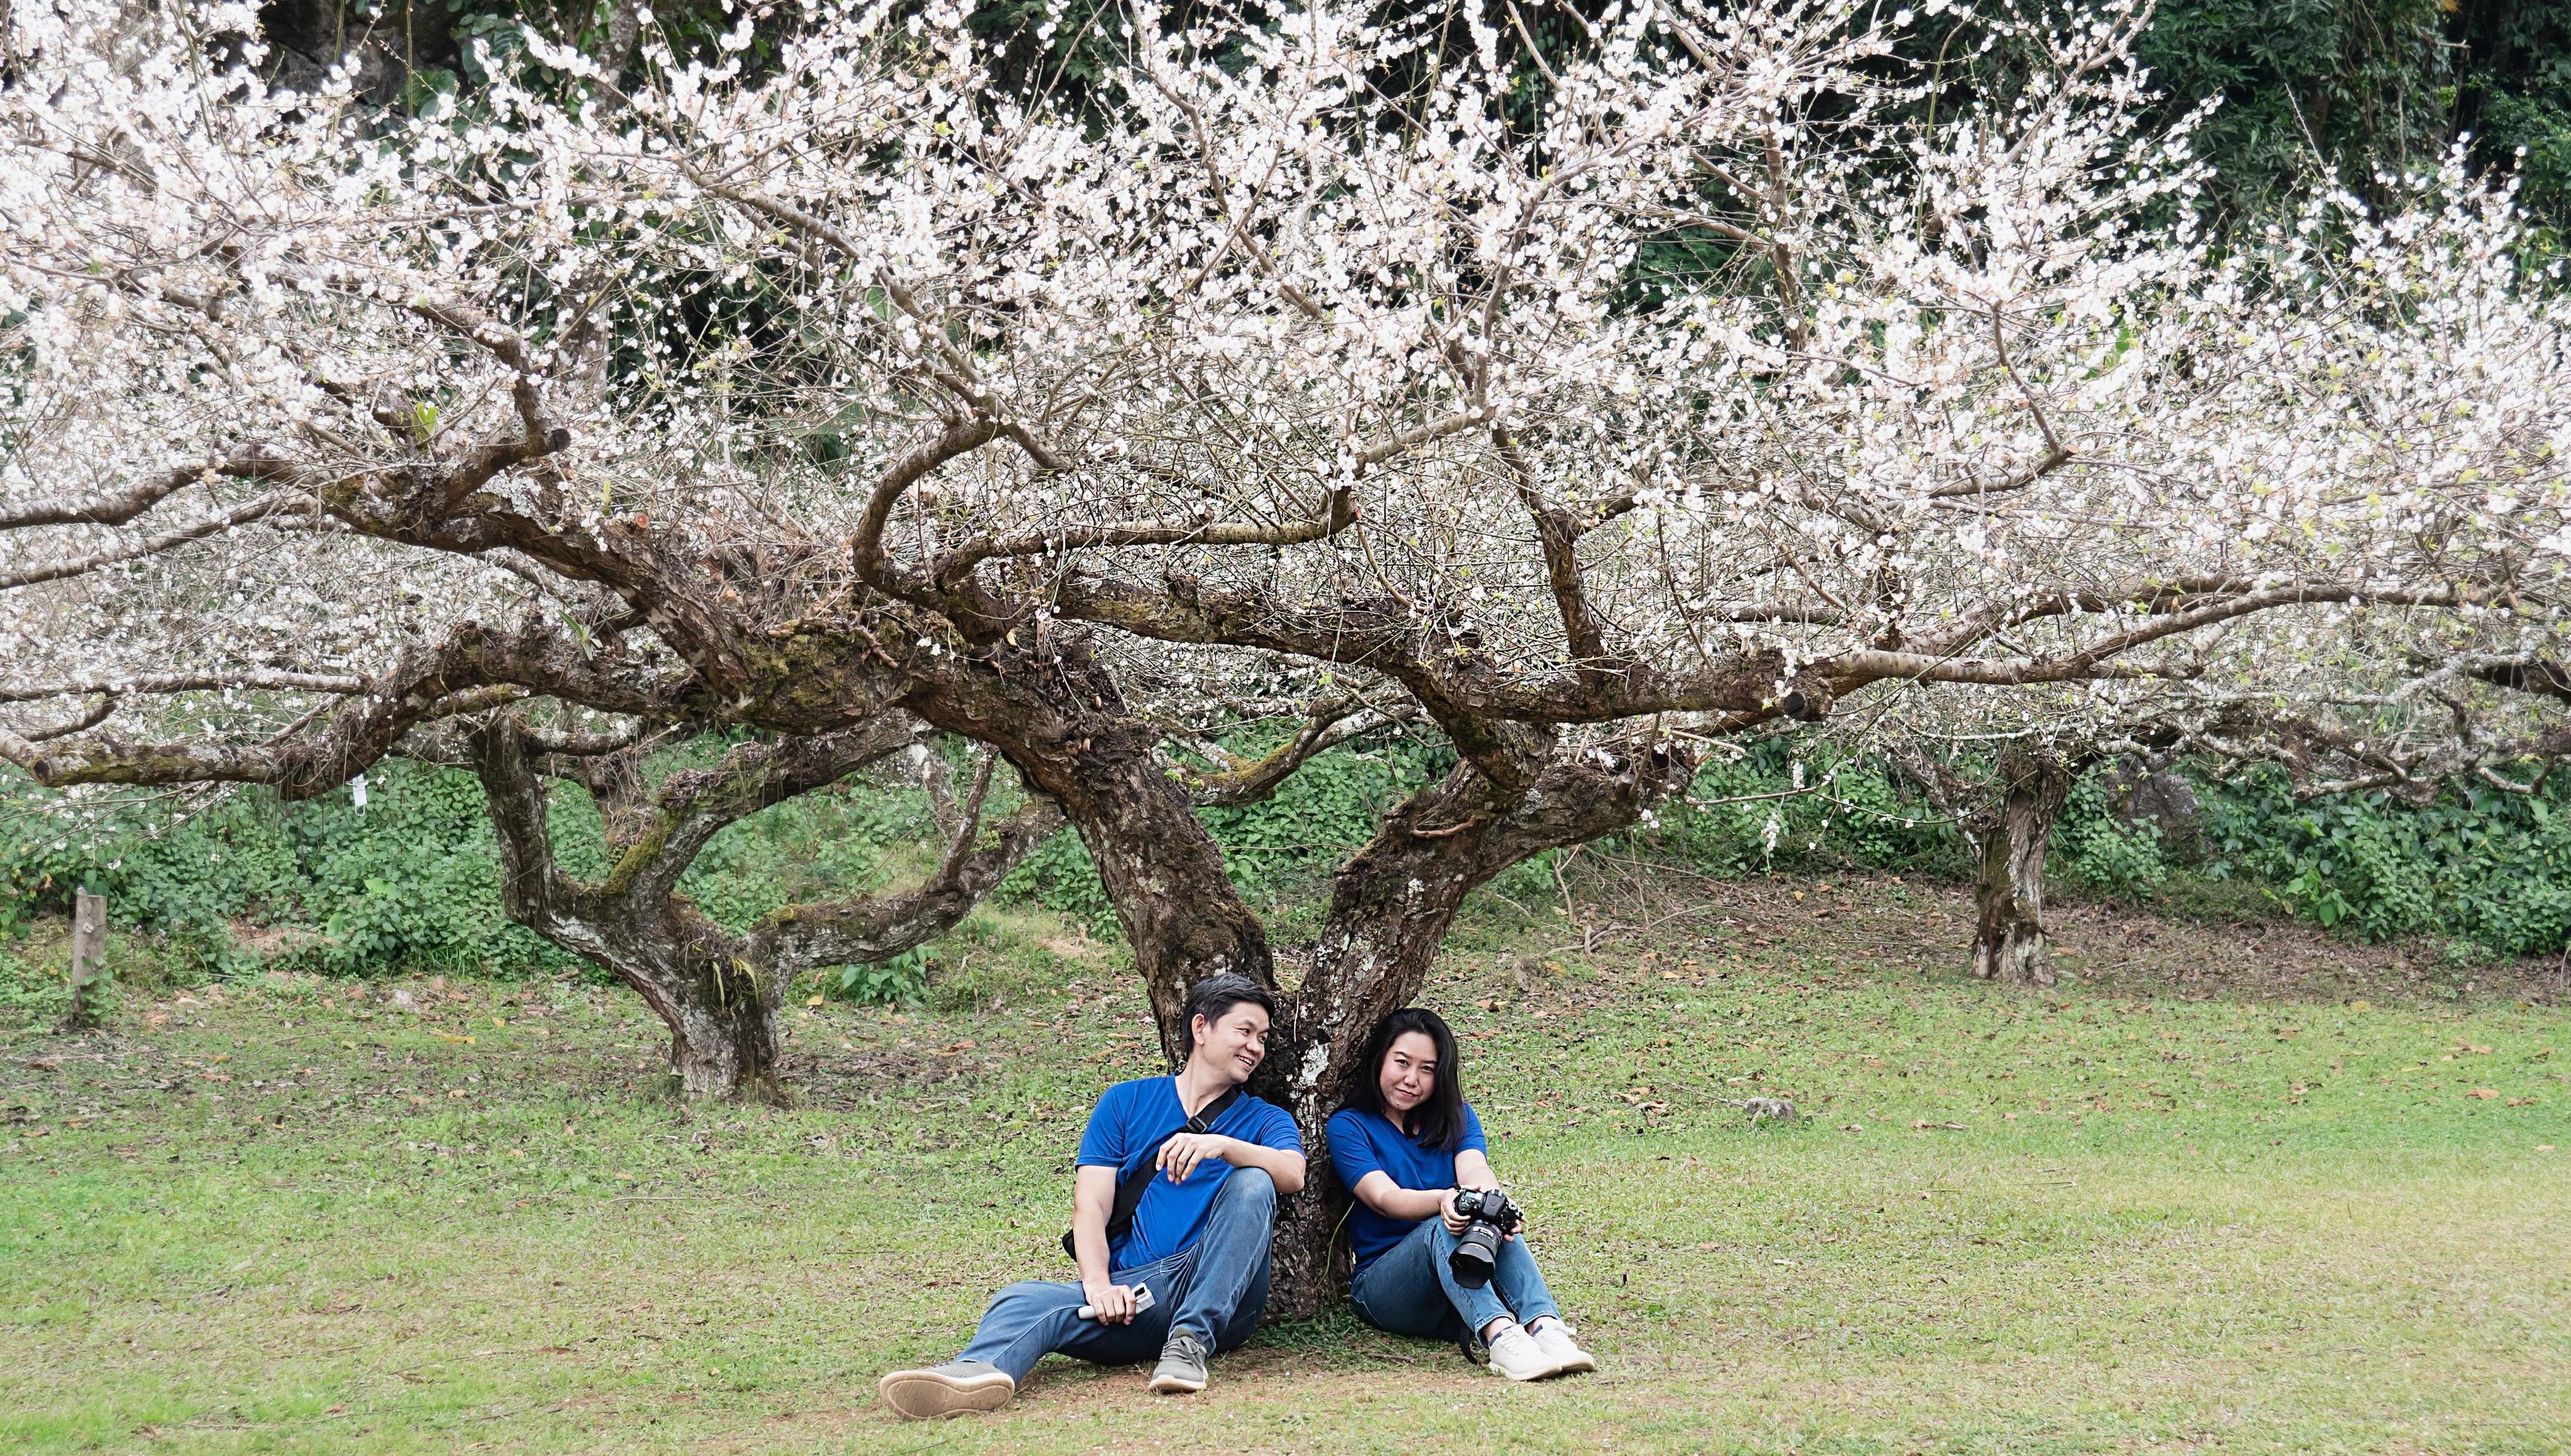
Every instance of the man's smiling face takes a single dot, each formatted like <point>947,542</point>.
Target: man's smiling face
<point>1236,1043</point>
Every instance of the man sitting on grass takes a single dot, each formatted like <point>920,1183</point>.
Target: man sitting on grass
<point>1175,1195</point>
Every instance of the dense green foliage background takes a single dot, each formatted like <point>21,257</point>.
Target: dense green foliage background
<point>410,880</point>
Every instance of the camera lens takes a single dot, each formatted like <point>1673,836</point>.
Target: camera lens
<point>1475,1252</point>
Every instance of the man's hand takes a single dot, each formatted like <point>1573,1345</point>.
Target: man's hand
<point>1114,1302</point>
<point>1455,1222</point>
<point>1180,1156</point>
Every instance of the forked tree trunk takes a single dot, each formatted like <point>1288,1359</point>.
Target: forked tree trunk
<point>719,993</point>
<point>1063,727</point>
<point>1390,908</point>
<point>2008,933</point>
<point>1060,722</point>
<point>1165,875</point>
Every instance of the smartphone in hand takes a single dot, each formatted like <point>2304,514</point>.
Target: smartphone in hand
<point>1141,1301</point>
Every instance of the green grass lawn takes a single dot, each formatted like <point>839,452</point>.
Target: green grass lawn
<point>294,1214</point>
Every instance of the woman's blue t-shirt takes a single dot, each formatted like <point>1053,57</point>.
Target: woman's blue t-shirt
<point>1363,1142</point>
<point>1125,1132</point>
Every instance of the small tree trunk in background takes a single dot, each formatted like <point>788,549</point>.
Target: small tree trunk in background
<point>730,1052</point>
<point>89,953</point>
<point>623,34</point>
<point>2008,935</point>
<point>724,1035</point>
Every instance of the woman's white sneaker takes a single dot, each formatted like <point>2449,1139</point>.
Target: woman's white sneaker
<point>1515,1353</point>
<point>1554,1338</point>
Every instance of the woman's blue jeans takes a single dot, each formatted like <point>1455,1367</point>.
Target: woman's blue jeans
<point>1410,1291</point>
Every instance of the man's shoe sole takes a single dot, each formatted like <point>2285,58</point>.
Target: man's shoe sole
<point>1174,1384</point>
<point>923,1394</point>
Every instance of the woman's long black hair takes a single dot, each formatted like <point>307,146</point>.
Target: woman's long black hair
<point>1438,1121</point>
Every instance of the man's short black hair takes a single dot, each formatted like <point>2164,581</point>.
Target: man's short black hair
<point>1215,995</point>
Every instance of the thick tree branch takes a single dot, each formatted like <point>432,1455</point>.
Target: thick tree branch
<point>473,671</point>
<point>1249,782</point>
<point>262,463</point>
<point>694,806</point>
<point>98,713</point>
<point>1337,513</point>
<point>247,682</point>
<point>1558,536</point>
<point>866,549</point>
<point>267,507</point>
<point>2537,675</point>
<point>852,932</point>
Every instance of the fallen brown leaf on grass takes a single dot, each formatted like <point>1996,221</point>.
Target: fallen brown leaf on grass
<point>2484,1092</point>
<point>1925,1126</point>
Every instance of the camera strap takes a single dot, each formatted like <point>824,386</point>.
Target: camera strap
<point>1129,1189</point>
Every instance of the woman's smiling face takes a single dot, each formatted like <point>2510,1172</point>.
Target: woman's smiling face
<point>1410,1072</point>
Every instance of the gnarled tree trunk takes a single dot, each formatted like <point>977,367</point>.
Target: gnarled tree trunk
<point>1061,722</point>
<point>1518,792</point>
<point>2008,929</point>
<point>1390,908</point>
<point>719,993</point>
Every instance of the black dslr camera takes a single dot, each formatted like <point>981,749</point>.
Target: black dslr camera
<point>1493,1218</point>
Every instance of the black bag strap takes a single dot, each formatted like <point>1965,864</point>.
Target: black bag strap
<point>1130,1191</point>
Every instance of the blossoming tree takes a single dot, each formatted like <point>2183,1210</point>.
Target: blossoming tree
<point>1310,358</point>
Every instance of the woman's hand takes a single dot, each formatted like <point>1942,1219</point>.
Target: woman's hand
<point>1180,1156</point>
<point>1455,1222</point>
<point>1472,1171</point>
<point>1114,1302</point>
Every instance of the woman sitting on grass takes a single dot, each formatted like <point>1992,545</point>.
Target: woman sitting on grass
<point>1405,1144</point>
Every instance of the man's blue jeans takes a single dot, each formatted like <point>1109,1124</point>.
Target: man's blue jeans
<point>1410,1291</point>
<point>1217,1288</point>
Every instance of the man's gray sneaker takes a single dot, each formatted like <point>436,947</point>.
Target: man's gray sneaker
<point>957,1385</point>
<point>1182,1370</point>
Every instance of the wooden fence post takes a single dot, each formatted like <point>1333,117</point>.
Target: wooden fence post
<point>89,953</point>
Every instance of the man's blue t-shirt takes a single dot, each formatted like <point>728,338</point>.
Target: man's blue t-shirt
<point>1363,1142</point>
<point>1126,1133</point>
